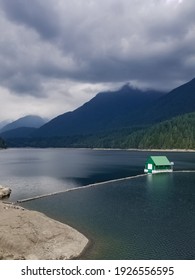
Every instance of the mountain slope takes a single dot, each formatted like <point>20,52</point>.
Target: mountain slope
<point>27,121</point>
<point>106,111</point>
<point>3,123</point>
<point>127,107</point>
<point>20,132</point>
<point>127,118</point>
<point>179,101</point>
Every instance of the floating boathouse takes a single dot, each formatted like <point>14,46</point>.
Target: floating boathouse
<point>158,164</point>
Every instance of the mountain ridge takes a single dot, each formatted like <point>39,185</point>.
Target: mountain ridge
<point>110,118</point>
<point>126,107</point>
<point>178,101</point>
<point>103,112</point>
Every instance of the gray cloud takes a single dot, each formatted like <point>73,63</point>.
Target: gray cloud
<point>39,15</point>
<point>43,43</point>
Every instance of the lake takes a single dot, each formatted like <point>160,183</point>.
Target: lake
<point>149,217</point>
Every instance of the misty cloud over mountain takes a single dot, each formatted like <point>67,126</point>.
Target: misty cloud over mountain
<point>69,50</point>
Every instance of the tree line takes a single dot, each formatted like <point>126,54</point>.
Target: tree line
<point>2,144</point>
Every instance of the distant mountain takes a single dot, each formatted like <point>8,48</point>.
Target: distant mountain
<point>3,123</point>
<point>27,121</point>
<point>106,111</point>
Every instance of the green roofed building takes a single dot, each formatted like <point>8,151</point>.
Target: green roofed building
<point>158,164</point>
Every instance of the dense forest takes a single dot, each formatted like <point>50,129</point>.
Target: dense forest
<point>177,133</point>
<point>2,144</point>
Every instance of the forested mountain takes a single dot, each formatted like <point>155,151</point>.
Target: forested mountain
<point>176,133</point>
<point>105,112</point>
<point>127,118</point>
<point>125,108</point>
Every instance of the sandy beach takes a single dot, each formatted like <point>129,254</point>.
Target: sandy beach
<point>32,235</point>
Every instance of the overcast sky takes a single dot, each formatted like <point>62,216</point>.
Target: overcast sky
<point>57,54</point>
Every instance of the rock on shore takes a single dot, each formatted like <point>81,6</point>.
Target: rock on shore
<point>32,235</point>
<point>4,192</point>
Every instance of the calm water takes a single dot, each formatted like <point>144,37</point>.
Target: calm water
<point>150,217</point>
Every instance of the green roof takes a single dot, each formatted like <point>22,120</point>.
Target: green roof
<point>160,160</point>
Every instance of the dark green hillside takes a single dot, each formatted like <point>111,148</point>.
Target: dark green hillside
<point>177,133</point>
<point>2,144</point>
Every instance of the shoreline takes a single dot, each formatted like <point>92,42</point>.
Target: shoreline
<point>146,150</point>
<point>42,238</point>
<point>111,149</point>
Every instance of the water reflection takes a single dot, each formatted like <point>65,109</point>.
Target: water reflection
<point>159,182</point>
